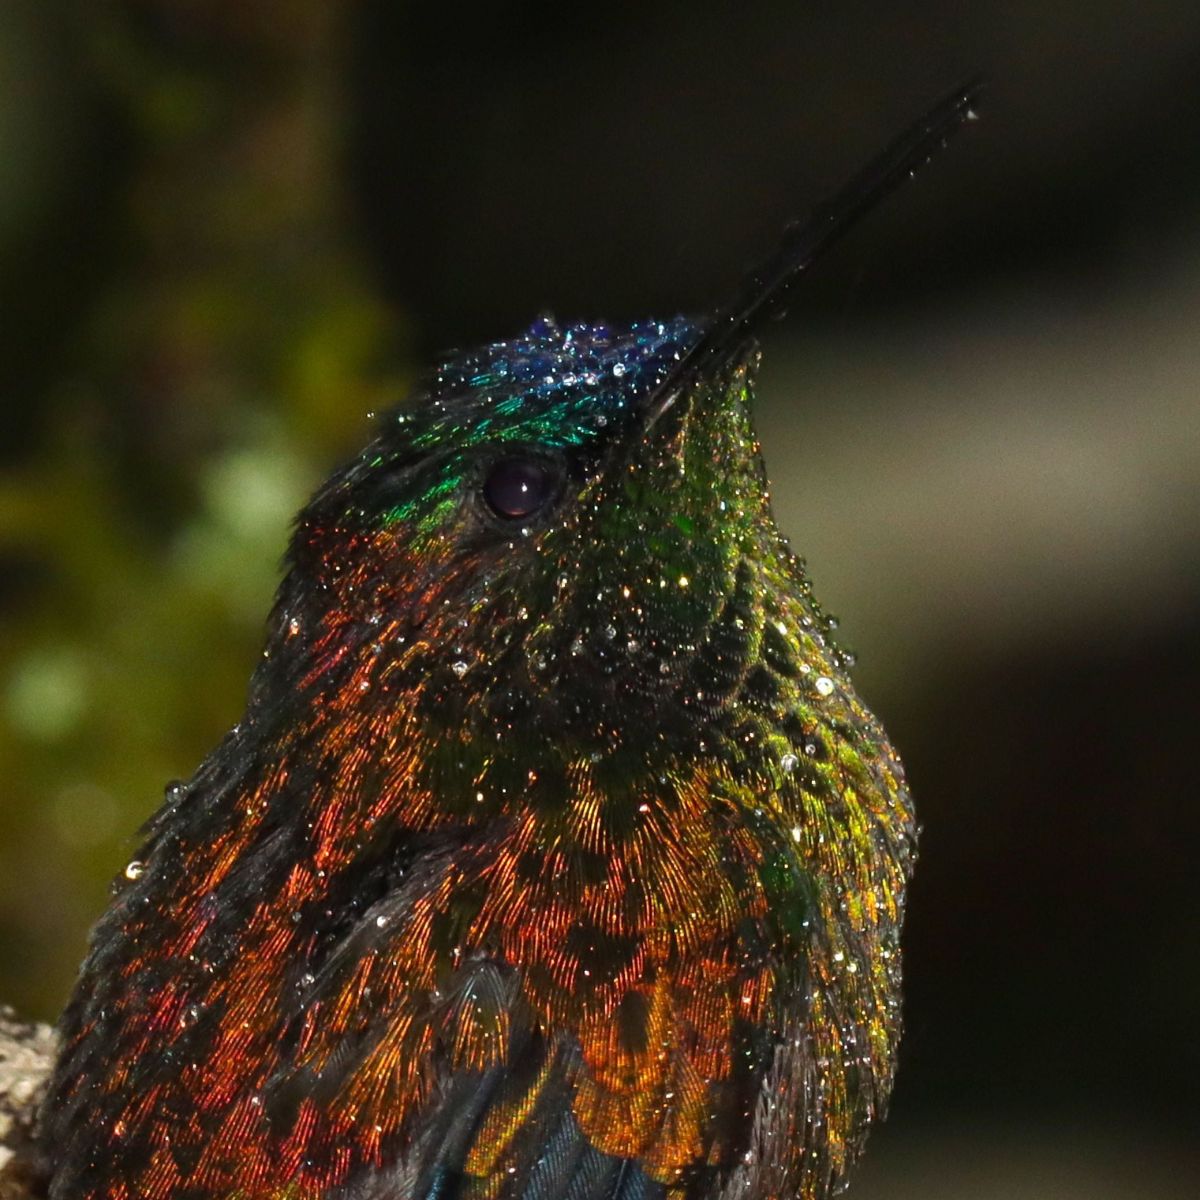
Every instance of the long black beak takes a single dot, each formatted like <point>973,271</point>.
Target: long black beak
<point>764,292</point>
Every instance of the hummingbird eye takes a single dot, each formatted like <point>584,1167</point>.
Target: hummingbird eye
<point>518,487</point>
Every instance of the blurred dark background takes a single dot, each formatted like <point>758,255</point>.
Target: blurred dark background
<point>229,230</point>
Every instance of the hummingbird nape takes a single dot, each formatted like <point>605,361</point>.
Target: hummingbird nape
<point>555,856</point>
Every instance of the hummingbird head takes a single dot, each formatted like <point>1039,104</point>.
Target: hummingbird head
<point>547,539</point>
<point>568,541</point>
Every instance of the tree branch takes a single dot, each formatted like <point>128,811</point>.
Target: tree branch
<point>26,1058</point>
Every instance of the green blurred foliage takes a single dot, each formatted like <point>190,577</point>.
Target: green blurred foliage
<point>192,345</point>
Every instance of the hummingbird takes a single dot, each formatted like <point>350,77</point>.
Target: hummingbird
<point>555,856</point>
